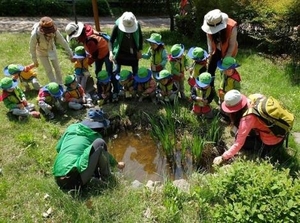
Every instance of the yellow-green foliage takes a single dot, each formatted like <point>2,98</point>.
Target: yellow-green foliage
<point>249,191</point>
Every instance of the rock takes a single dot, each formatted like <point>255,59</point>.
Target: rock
<point>136,184</point>
<point>182,185</point>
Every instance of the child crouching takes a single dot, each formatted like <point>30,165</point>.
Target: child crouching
<point>14,99</point>
<point>75,95</point>
<point>202,95</point>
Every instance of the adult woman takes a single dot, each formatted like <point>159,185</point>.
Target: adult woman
<point>43,40</point>
<point>95,45</point>
<point>82,153</point>
<point>126,42</point>
<point>221,33</point>
<point>251,131</point>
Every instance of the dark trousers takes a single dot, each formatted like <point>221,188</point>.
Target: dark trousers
<point>98,165</point>
<point>212,66</point>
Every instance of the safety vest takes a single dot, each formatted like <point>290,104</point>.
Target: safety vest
<point>224,45</point>
<point>227,83</point>
<point>27,75</point>
<point>74,93</point>
<point>157,56</point>
<point>118,41</point>
<point>168,87</point>
<point>102,45</point>
<point>202,93</point>
<point>198,68</point>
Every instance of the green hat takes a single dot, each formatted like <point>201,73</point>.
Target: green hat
<point>13,69</point>
<point>8,83</point>
<point>177,50</point>
<point>204,79</point>
<point>103,77</point>
<point>55,89</point>
<point>227,63</point>
<point>124,75</point>
<point>69,79</point>
<point>197,53</point>
<point>163,74</point>
<point>79,52</point>
<point>143,75</point>
<point>155,38</point>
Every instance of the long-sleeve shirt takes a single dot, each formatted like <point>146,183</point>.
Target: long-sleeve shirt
<point>248,123</point>
<point>41,45</point>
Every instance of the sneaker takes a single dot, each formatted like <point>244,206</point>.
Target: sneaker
<point>50,116</point>
<point>115,97</point>
<point>35,114</point>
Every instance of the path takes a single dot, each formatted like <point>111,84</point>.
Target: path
<point>24,24</point>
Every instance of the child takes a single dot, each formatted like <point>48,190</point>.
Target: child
<point>50,99</point>
<point>126,80</point>
<point>230,77</point>
<point>157,53</point>
<point>230,80</point>
<point>104,87</point>
<point>202,95</point>
<point>167,88</point>
<point>178,64</point>
<point>75,95</point>
<point>81,66</point>
<point>14,99</point>
<point>199,57</point>
<point>26,75</point>
<point>145,85</point>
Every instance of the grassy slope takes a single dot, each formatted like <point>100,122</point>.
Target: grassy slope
<point>27,149</point>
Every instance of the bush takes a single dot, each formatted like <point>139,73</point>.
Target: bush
<point>249,191</point>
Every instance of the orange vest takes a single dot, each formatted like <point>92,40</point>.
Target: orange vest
<point>224,45</point>
<point>102,46</point>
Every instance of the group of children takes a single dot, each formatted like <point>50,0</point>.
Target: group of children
<point>156,82</point>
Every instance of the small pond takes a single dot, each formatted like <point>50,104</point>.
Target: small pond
<point>142,156</point>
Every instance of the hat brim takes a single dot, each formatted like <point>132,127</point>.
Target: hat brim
<point>221,68</point>
<point>125,29</point>
<point>153,41</point>
<point>144,79</point>
<point>6,72</point>
<point>119,78</point>
<point>179,54</point>
<point>157,77</point>
<point>77,33</point>
<point>105,81</point>
<point>95,124</point>
<point>235,108</point>
<point>48,30</point>
<point>59,93</point>
<point>78,57</point>
<point>214,29</point>
<point>201,84</point>
<point>190,55</point>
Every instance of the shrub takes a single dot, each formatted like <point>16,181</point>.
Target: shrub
<point>249,191</point>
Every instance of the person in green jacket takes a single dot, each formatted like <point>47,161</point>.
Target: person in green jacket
<point>82,153</point>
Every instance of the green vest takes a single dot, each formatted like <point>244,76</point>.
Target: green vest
<point>118,41</point>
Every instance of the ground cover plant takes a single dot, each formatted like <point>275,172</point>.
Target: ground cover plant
<point>28,192</point>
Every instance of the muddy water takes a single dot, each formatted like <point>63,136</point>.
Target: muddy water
<point>141,156</point>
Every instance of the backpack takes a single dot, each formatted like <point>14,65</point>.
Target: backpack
<point>277,118</point>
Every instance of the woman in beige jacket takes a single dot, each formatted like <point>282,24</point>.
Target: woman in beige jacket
<point>43,40</point>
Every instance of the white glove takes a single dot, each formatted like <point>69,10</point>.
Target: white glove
<point>218,160</point>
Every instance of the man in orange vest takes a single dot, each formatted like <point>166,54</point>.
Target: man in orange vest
<point>221,32</point>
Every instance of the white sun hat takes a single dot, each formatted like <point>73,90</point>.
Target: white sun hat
<point>73,30</point>
<point>214,21</point>
<point>128,23</point>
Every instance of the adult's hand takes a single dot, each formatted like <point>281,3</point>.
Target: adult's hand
<point>218,160</point>
<point>139,54</point>
<point>121,165</point>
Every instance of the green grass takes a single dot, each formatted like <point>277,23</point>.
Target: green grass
<point>28,152</point>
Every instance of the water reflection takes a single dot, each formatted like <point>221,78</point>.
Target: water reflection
<point>141,155</point>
